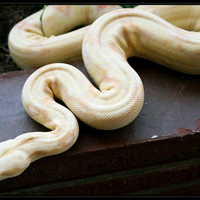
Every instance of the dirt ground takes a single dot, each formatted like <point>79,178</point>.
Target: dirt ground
<point>9,16</point>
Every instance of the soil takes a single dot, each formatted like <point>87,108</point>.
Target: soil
<point>9,16</point>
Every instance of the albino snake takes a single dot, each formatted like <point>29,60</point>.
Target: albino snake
<point>106,45</point>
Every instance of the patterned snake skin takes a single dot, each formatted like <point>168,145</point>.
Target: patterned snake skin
<point>167,35</point>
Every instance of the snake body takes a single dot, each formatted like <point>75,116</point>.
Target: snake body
<point>30,49</point>
<point>151,32</point>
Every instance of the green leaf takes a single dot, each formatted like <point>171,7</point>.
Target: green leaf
<point>41,20</point>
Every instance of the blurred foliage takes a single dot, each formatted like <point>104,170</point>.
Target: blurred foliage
<point>128,6</point>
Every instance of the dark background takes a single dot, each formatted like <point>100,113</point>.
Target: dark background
<point>9,16</point>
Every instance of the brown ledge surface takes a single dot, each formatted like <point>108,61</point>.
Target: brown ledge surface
<point>166,130</point>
